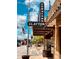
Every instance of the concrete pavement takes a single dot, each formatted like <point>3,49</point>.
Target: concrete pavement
<point>34,52</point>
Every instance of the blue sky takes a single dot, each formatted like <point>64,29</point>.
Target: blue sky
<point>22,14</point>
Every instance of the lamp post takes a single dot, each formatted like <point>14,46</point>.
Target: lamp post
<point>28,30</point>
<point>27,56</point>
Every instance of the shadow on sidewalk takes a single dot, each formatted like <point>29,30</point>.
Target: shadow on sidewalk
<point>49,57</point>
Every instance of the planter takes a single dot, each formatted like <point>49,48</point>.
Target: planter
<point>44,53</point>
<point>25,57</point>
<point>49,54</point>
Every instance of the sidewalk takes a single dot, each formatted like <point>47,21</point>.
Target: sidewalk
<point>34,52</point>
<point>37,57</point>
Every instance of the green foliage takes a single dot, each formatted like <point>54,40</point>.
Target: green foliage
<point>37,39</point>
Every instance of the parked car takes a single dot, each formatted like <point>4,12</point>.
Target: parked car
<point>18,43</point>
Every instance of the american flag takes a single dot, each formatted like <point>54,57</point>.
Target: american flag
<point>23,30</point>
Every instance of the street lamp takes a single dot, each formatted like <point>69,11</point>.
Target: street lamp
<point>27,56</point>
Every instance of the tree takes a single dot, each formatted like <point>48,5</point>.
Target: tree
<point>37,39</point>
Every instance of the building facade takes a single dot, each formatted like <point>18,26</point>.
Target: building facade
<point>54,20</point>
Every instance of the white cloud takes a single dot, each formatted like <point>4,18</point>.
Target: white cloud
<point>52,2</point>
<point>23,36</point>
<point>19,31</point>
<point>28,1</point>
<point>21,19</point>
<point>46,3</point>
<point>35,8</point>
<point>33,16</point>
<point>26,35</point>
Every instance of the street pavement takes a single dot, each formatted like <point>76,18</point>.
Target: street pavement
<point>34,52</point>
